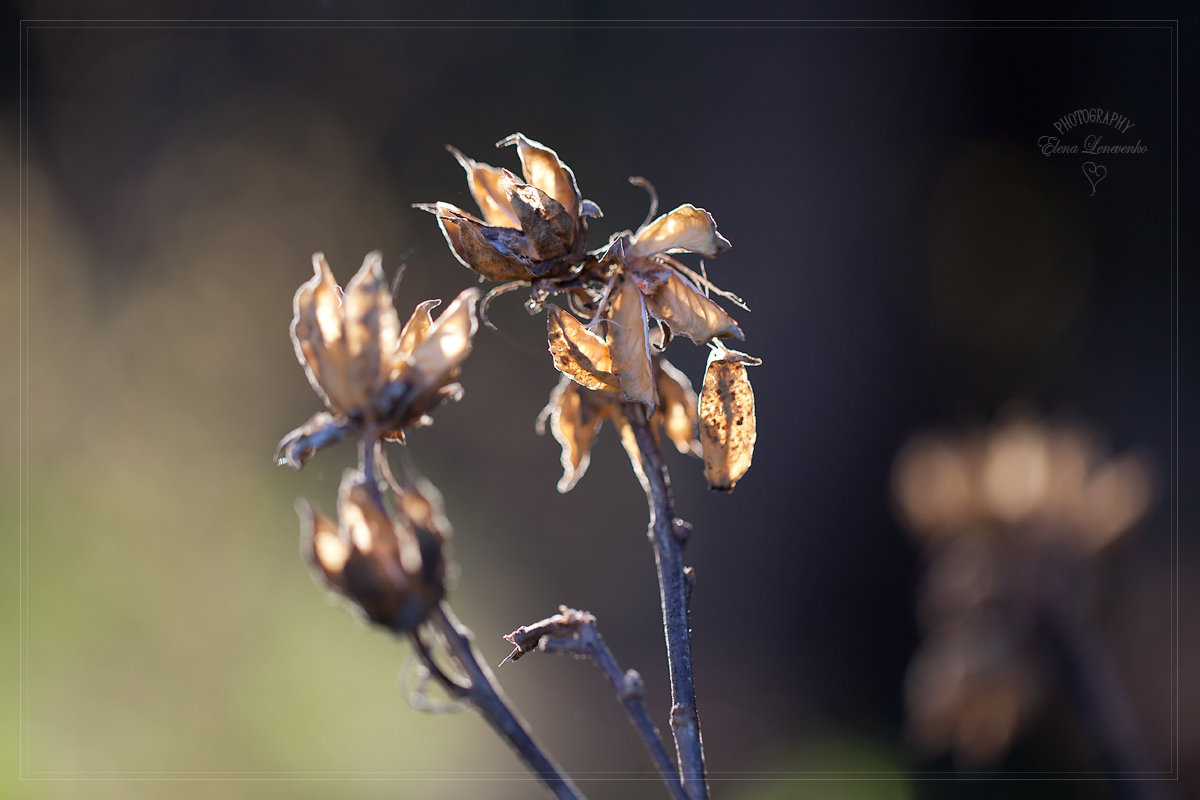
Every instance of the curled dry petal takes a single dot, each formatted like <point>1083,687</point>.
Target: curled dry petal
<point>484,181</point>
<point>447,343</point>
<point>321,430</point>
<point>687,229</point>
<point>496,253</point>
<point>578,353</point>
<point>689,313</point>
<point>629,344</point>
<point>322,546</point>
<point>677,405</point>
<point>727,424</point>
<point>544,169</point>
<point>416,329</point>
<point>575,418</point>
<point>316,332</point>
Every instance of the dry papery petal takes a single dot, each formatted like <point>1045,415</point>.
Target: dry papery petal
<point>576,415</point>
<point>417,328</point>
<point>484,182</point>
<point>677,404</point>
<point>370,325</point>
<point>687,229</point>
<point>496,253</point>
<point>316,332</point>
<point>578,353</point>
<point>628,343</point>
<point>448,341</point>
<point>322,546</point>
<point>544,169</point>
<point>689,313</point>
<point>727,424</point>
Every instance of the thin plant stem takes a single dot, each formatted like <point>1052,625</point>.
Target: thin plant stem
<point>483,693</point>
<point>1099,693</point>
<point>575,633</point>
<point>667,537</point>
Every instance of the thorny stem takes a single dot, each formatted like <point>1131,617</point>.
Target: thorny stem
<point>483,693</point>
<point>667,538</point>
<point>575,633</point>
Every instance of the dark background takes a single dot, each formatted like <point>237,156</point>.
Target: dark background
<point>911,261</point>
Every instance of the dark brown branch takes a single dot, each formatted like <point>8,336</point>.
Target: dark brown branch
<point>482,692</point>
<point>575,633</point>
<point>667,536</point>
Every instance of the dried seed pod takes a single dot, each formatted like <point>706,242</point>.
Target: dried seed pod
<point>727,424</point>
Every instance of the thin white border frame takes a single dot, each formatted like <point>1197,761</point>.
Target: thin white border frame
<point>27,25</point>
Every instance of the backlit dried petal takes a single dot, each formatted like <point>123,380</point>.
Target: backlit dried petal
<point>1117,495</point>
<point>496,253</point>
<point>484,182</point>
<point>370,326</point>
<point>689,313</point>
<point>448,342</point>
<point>316,332</point>
<point>322,546</point>
<point>544,169</point>
<point>629,344</point>
<point>578,353</point>
<point>727,424</point>
<point>677,405</point>
<point>687,229</point>
<point>417,328</point>
<point>575,418</point>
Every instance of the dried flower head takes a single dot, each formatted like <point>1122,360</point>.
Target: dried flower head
<point>1022,479</point>
<point>1010,517</point>
<point>627,300</point>
<point>530,229</point>
<point>388,561</point>
<point>374,376</point>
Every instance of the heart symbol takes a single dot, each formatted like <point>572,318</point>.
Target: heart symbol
<point>1094,173</point>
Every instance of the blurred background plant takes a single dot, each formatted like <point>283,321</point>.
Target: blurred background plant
<point>911,260</point>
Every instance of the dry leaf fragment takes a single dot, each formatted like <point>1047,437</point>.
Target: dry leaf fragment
<point>727,424</point>
<point>578,353</point>
<point>629,344</point>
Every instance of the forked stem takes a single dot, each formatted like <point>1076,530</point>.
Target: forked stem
<point>667,536</point>
<point>484,694</point>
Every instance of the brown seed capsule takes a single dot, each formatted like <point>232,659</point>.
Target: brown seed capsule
<point>727,423</point>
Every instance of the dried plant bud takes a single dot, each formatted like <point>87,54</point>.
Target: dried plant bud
<point>373,375</point>
<point>578,353</point>
<point>687,312</point>
<point>678,408</point>
<point>629,344</point>
<point>727,423</point>
<point>687,229</point>
<point>390,566</point>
